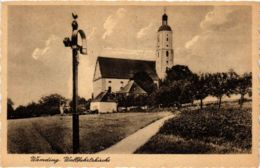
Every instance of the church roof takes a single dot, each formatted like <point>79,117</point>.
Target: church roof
<point>125,68</point>
<point>164,28</point>
<point>132,87</point>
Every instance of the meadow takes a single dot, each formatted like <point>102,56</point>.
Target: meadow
<point>53,134</point>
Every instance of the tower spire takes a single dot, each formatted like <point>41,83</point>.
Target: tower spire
<point>164,17</point>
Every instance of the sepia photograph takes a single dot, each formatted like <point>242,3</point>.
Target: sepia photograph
<point>167,79</point>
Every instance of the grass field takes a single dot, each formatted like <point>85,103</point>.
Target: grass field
<point>54,134</point>
<point>205,131</point>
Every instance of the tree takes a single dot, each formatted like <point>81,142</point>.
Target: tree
<point>10,109</point>
<point>202,88</point>
<point>186,91</point>
<point>220,85</point>
<point>51,103</point>
<point>169,95</point>
<point>178,86</point>
<point>243,86</point>
<point>33,110</point>
<point>121,100</point>
<point>83,104</point>
<point>20,112</point>
<point>162,96</point>
<point>178,72</point>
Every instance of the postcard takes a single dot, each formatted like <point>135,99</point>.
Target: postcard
<point>130,84</point>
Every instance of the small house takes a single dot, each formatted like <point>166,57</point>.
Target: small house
<point>104,103</point>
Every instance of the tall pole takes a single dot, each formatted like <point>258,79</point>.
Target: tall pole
<point>75,121</point>
<point>73,43</point>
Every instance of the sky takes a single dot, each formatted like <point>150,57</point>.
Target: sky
<point>205,38</point>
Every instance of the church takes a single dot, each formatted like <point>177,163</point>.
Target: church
<point>116,74</point>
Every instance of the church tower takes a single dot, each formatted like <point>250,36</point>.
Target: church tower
<point>164,51</point>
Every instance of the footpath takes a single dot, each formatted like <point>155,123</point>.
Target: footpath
<point>131,143</point>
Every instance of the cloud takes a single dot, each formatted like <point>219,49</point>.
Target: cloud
<point>221,18</point>
<point>145,30</point>
<point>224,39</point>
<point>112,21</point>
<point>190,43</point>
<point>39,52</point>
<point>219,24</point>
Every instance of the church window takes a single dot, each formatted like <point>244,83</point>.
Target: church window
<point>167,39</point>
<point>122,82</point>
<point>167,53</point>
<point>109,82</point>
<point>166,62</point>
<point>158,54</point>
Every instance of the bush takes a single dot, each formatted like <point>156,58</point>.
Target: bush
<point>228,125</point>
<point>47,105</point>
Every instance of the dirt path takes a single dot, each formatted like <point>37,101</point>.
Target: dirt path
<point>131,143</point>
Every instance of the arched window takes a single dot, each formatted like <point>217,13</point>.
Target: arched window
<point>167,53</point>
<point>158,54</point>
<point>167,39</point>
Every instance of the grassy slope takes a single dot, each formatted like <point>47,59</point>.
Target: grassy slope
<point>53,134</point>
<point>206,131</point>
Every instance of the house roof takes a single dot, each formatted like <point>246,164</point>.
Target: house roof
<point>132,87</point>
<point>125,68</point>
<point>104,97</point>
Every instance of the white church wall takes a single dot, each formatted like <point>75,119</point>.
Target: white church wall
<point>103,107</point>
<point>115,84</point>
<point>103,84</point>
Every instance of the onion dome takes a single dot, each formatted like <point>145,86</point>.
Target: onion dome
<point>165,26</point>
<point>165,17</point>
